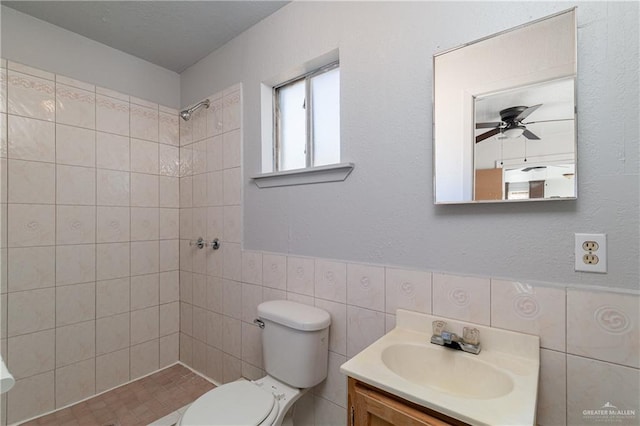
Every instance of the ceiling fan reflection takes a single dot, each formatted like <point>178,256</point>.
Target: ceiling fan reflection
<point>512,125</point>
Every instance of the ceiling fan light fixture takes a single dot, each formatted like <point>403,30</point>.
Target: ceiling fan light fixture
<point>513,132</point>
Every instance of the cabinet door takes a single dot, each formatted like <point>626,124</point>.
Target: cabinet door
<point>371,408</point>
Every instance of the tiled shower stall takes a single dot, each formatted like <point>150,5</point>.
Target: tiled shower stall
<point>210,198</point>
<point>102,196</point>
<point>90,245</point>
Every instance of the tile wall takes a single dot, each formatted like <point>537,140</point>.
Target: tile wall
<point>91,257</point>
<point>211,317</point>
<point>590,347</point>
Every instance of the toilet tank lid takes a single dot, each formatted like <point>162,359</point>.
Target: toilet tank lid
<point>294,315</point>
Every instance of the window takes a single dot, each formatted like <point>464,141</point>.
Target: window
<point>300,125</point>
<point>307,120</point>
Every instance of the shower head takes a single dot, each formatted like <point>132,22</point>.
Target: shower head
<point>186,114</point>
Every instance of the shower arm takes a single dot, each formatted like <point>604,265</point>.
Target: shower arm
<point>186,114</point>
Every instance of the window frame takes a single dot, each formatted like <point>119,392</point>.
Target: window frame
<point>309,143</point>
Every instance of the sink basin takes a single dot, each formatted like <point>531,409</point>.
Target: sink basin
<point>451,372</point>
<point>498,386</point>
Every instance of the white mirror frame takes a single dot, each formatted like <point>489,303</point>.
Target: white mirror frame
<point>479,67</point>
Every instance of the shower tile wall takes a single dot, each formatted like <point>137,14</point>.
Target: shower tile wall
<point>90,261</point>
<point>211,317</point>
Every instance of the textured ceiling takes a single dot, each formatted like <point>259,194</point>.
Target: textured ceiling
<point>171,34</point>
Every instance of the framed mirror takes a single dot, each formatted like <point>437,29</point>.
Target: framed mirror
<point>505,116</point>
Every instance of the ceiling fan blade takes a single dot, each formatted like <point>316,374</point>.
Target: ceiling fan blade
<point>546,121</point>
<point>487,135</point>
<point>524,114</point>
<point>487,125</point>
<point>529,135</point>
<point>528,169</point>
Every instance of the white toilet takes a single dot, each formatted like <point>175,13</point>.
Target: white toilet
<point>295,341</point>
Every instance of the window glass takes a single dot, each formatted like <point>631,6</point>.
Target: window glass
<point>292,144</point>
<point>325,88</point>
<point>307,120</point>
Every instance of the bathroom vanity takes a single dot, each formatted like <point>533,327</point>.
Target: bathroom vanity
<point>424,373</point>
<point>370,406</point>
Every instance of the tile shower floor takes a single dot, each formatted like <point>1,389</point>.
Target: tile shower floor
<point>152,399</point>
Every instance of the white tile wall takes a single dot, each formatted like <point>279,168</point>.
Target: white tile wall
<point>31,182</point>
<point>219,290</point>
<point>83,289</point>
<point>464,298</point>
<point>597,338</point>
<point>300,273</point>
<point>31,96</point>
<point>552,390</point>
<point>407,289</point>
<point>33,395</point>
<point>530,309</point>
<point>365,286</point>
<point>112,369</point>
<point>364,327</point>
<point>331,280</point>
<point>113,224</point>
<point>252,267</point>
<point>112,113</point>
<point>75,382</point>
<point>592,384</point>
<point>604,326</point>
<point>276,274</point>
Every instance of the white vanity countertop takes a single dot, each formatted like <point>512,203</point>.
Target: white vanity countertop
<point>515,356</point>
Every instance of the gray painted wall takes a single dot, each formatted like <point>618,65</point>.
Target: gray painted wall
<point>384,212</point>
<point>39,44</point>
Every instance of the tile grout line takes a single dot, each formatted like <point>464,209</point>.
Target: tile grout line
<point>95,259</point>
<point>566,358</point>
<point>129,243</point>
<point>55,237</point>
<point>5,327</point>
<point>158,233</point>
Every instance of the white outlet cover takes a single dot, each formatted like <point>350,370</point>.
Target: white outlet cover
<point>601,266</point>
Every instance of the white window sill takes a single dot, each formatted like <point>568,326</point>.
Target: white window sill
<point>329,173</point>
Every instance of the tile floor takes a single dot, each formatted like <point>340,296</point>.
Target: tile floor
<point>147,400</point>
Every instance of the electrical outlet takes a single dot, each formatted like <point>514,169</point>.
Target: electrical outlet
<point>591,253</point>
<point>590,259</point>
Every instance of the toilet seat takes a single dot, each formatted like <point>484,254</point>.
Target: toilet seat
<point>237,403</point>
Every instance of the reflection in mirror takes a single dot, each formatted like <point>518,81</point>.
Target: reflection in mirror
<point>504,115</point>
<point>524,145</point>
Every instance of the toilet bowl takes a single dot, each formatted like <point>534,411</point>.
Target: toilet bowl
<point>295,341</point>
<point>264,402</point>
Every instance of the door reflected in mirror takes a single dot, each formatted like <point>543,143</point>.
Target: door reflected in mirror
<point>524,143</point>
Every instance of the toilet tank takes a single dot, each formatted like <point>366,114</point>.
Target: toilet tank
<point>295,342</point>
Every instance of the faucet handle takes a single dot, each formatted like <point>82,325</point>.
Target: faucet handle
<point>471,335</point>
<point>438,327</point>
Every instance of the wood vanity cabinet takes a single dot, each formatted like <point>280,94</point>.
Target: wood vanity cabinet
<point>370,406</point>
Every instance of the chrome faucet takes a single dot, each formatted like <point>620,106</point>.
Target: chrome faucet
<point>469,342</point>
